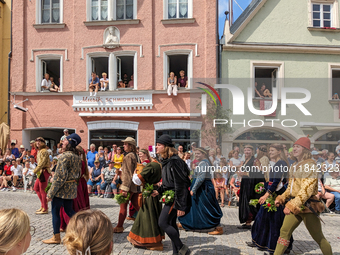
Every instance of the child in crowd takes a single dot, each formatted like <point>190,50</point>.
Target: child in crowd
<point>29,175</point>
<point>235,184</point>
<point>89,232</point>
<point>220,187</point>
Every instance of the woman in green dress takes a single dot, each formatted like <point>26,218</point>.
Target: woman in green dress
<point>145,232</point>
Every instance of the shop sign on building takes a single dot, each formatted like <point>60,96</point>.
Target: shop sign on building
<point>112,102</point>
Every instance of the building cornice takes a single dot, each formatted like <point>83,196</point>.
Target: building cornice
<point>286,48</point>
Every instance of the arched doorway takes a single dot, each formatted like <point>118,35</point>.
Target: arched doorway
<point>257,137</point>
<point>328,140</point>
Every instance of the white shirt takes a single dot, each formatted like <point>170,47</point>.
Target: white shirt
<point>17,170</point>
<point>105,80</point>
<point>46,83</point>
<point>236,162</point>
<point>33,166</point>
<point>29,171</point>
<point>333,183</point>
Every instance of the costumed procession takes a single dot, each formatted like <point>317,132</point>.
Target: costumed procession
<point>168,195</point>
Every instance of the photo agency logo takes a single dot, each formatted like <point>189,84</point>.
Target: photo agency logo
<point>238,105</point>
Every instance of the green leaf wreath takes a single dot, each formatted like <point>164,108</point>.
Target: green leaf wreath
<point>147,190</point>
<point>121,199</point>
<point>259,188</point>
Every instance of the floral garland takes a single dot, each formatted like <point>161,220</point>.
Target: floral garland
<point>121,199</point>
<point>168,197</point>
<point>259,188</point>
<point>270,203</point>
<point>48,187</point>
<point>147,190</point>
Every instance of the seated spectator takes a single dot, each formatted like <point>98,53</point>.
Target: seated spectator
<point>104,82</point>
<point>101,157</point>
<point>322,193</point>
<point>29,175</point>
<point>22,153</point>
<point>89,232</point>
<point>14,150</point>
<point>6,175</point>
<point>329,164</point>
<point>91,155</point>
<point>46,83</point>
<point>16,170</point>
<point>235,184</point>
<point>53,87</point>
<point>335,96</point>
<point>120,84</point>
<point>172,84</point>
<point>33,164</point>
<point>118,158</point>
<point>332,184</point>
<point>107,178</point>
<point>182,80</point>
<point>220,187</point>
<point>95,175</point>
<point>130,84</point>
<point>27,156</point>
<point>94,84</point>
<point>125,80</point>
<point>15,232</point>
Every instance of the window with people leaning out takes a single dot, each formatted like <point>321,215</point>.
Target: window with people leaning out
<point>177,78</point>
<point>50,82</point>
<point>335,84</point>
<point>265,81</point>
<point>100,80</point>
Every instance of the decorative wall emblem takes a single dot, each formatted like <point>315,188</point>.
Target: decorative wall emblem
<point>111,38</point>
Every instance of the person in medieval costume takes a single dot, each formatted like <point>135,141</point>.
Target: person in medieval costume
<point>303,205</point>
<point>205,212</point>
<point>145,231</point>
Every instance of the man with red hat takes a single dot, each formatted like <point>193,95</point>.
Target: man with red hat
<point>302,203</point>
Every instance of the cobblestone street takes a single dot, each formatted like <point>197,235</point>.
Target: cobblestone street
<point>231,242</point>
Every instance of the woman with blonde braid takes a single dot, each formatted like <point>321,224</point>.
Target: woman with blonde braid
<point>15,232</point>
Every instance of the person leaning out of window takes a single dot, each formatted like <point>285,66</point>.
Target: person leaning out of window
<point>104,82</point>
<point>182,80</point>
<point>172,84</point>
<point>94,84</point>
<point>46,83</point>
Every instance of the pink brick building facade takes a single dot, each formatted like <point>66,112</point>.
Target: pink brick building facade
<point>144,38</point>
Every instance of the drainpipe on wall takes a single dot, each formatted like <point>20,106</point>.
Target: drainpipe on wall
<point>9,74</point>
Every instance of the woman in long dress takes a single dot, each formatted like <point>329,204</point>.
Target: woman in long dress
<point>145,231</point>
<point>250,178</point>
<point>205,213</point>
<point>82,201</point>
<point>266,228</point>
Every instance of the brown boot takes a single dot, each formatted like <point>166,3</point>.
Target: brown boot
<point>42,212</point>
<point>54,240</point>
<point>156,248</point>
<point>118,229</point>
<point>39,209</point>
<point>217,231</point>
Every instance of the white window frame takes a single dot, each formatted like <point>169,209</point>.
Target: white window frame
<point>165,9</point>
<point>166,65</point>
<point>334,11</point>
<point>111,10</point>
<point>267,64</point>
<point>39,73</point>
<point>38,14</point>
<point>331,67</point>
<point>112,72</point>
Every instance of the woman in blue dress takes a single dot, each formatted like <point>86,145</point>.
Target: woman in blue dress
<point>266,228</point>
<point>205,212</point>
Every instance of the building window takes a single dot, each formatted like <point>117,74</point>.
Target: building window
<point>336,83</point>
<point>181,137</point>
<point>120,67</point>
<point>266,77</point>
<point>107,137</point>
<point>51,65</point>
<point>108,10</point>
<point>124,9</point>
<point>178,61</point>
<point>99,9</point>
<point>322,15</point>
<point>50,11</point>
<point>177,9</point>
